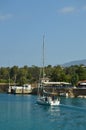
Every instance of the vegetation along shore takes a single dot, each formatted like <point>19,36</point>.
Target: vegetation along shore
<point>30,75</point>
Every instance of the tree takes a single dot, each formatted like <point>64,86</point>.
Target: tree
<point>13,73</point>
<point>81,71</point>
<point>23,80</point>
<point>35,72</point>
<point>74,79</point>
<point>4,74</point>
<point>57,73</point>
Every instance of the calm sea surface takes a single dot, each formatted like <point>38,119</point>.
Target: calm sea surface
<point>18,112</point>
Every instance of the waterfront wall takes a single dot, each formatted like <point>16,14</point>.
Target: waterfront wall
<point>3,87</point>
<point>79,92</point>
<point>72,92</point>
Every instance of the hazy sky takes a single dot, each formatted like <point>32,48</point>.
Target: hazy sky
<point>24,22</point>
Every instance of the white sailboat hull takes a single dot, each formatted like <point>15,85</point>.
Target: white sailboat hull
<point>48,102</point>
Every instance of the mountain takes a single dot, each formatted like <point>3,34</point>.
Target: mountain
<point>77,62</point>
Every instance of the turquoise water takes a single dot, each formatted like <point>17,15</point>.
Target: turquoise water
<point>18,112</point>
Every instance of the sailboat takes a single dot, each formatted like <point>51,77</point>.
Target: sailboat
<point>44,97</point>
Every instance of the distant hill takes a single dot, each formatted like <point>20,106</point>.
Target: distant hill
<point>77,62</point>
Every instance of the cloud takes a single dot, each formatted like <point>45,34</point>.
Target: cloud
<point>5,16</point>
<point>67,10</point>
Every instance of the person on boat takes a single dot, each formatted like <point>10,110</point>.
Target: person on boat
<point>45,98</point>
<point>53,98</point>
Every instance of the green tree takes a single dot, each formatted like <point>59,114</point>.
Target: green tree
<point>57,73</point>
<point>81,71</point>
<point>13,73</point>
<point>74,79</point>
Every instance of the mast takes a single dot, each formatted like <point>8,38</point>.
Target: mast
<point>43,57</point>
<point>9,80</point>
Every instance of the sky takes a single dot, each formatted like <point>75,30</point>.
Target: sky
<point>24,22</point>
